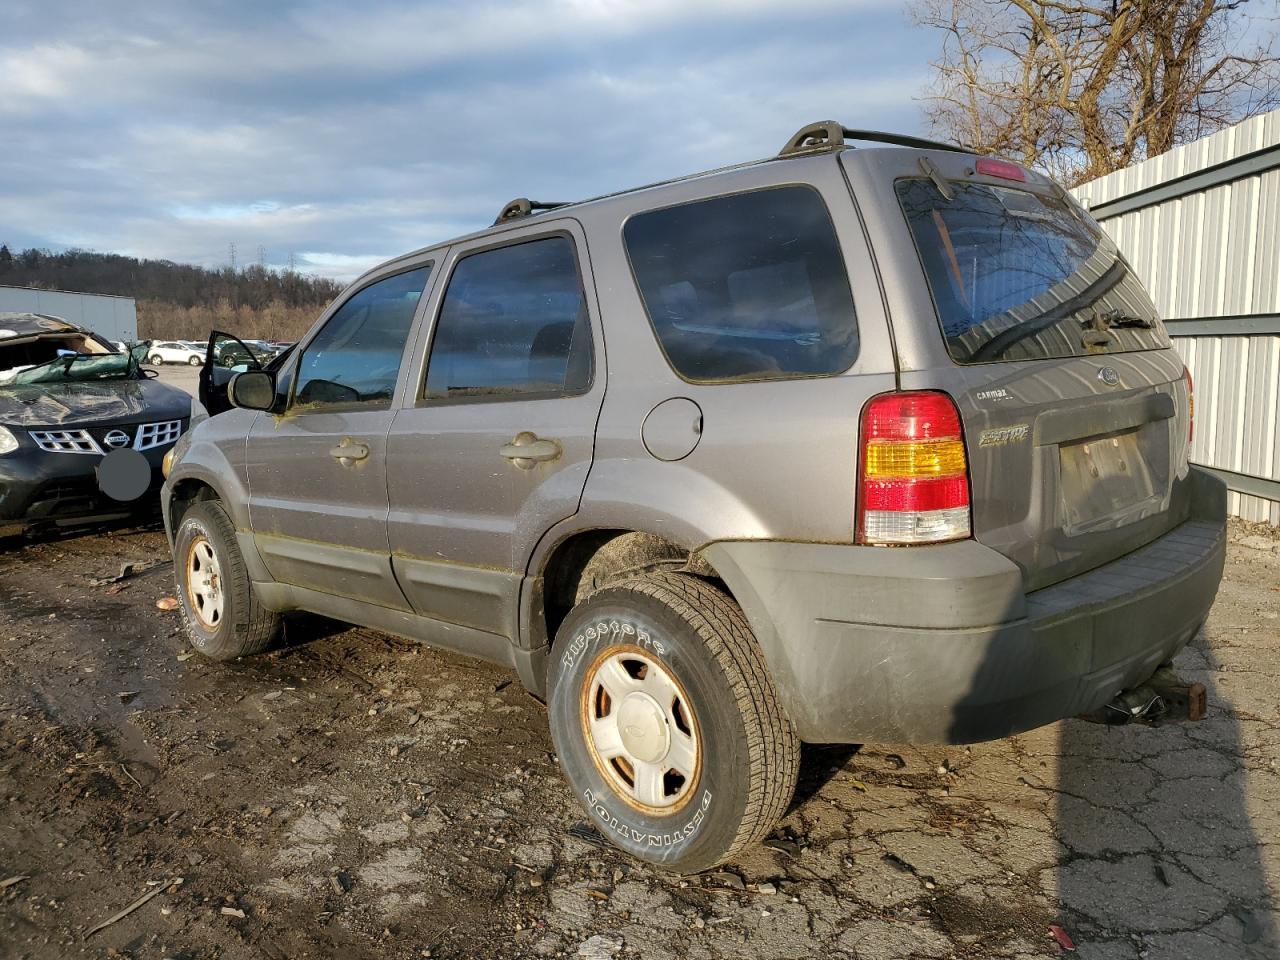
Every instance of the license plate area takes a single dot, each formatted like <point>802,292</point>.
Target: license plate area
<point>1108,481</point>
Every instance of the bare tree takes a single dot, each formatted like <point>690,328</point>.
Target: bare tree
<point>1085,87</point>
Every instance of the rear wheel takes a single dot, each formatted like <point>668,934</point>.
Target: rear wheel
<point>667,724</point>
<point>194,361</point>
<point>156,360</point>
<point>223,617</point>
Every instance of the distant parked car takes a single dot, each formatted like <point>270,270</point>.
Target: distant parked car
<point>175,351</point>
<point>234,353</point>
<point>264,350</point>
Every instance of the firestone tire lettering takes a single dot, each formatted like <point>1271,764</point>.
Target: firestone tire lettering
<point>596,803</point>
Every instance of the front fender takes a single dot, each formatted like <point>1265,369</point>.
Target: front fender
<point>212,454</point>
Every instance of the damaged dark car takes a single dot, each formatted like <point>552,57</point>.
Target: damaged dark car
<point>83,428</point>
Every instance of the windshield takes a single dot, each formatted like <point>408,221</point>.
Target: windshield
<point>79,367</point>
<point>1016,275</point>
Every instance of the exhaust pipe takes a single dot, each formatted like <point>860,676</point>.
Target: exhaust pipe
<point>1162,698</point>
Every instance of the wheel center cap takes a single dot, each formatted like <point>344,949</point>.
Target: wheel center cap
<point>642,728</point>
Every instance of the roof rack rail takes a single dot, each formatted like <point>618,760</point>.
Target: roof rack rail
<point>828,134</point>
<point>524,207</point>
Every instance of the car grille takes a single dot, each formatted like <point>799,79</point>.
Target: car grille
<point>148,437</point>
<point>157,434</point>
<point>69,488</point>
<point>66,441</point>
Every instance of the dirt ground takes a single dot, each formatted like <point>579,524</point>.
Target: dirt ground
<point>352,795</point>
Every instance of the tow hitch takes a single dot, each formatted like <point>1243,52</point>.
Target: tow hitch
<point>1163,698</point>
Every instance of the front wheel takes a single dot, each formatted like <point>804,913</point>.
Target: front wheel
<point>194,361</point>
<point>667,724</point>
<point>156,360</point>
<point>223,617</point>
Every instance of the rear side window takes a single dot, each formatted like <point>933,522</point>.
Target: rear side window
<point>513,324</point>
<point>746,287</point>
<point>355,358</point>
<point>1016,275</point>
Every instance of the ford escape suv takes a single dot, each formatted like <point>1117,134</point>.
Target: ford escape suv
<point>849,444</point>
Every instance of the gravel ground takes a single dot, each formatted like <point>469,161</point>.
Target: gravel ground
<point>354,795</point>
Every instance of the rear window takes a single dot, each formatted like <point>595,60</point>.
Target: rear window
<point>1016,275</point>
<point>746,287</point>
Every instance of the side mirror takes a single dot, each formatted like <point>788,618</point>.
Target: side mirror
<point>253,390</point>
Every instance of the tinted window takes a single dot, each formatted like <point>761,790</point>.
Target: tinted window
<point>513,323</point>
<point>1016,275</point>
<point>746,287</point>
<point>355,358</point>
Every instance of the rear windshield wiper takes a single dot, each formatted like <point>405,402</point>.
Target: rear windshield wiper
<point>1001,342</point>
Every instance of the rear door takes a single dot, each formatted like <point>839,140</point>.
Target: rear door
<point>1073,401</point>
<point>497,444</point>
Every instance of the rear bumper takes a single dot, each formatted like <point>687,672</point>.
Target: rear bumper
<point>939,644</point>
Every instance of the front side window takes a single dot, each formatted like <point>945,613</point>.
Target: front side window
<point>513,324</point>
<point>355,358</point>
<point>746,287</point>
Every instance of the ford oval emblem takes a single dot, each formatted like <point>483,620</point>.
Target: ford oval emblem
<point>117,438</point>
<point>1109,376</point>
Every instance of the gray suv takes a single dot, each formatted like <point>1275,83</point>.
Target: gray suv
<point>883,443</point>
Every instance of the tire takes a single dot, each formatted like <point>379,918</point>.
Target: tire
<point>624,557</point>
<point>194,361</point>
<point>618,658</point>
<point>223,620</point>
<point>157,360</point>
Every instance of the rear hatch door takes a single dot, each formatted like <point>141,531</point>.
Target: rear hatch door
<point>1072,398</point>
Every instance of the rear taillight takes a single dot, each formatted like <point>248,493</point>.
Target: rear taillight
<point>914,480</point>
<point>1191,405</point>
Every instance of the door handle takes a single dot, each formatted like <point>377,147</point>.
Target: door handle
<point>348,452</point>
<point>528,449</point>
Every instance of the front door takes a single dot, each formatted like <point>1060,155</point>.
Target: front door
<point>225,356</point>
<point>497,446</point>
<point>317,472</point>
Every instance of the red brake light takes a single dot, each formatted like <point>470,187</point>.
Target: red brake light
<point>914,478</point>
<point>991,167</point>
<point>915,415</point>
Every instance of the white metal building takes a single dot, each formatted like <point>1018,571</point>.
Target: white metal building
<point>1201,226</point>
<point>115,318</point>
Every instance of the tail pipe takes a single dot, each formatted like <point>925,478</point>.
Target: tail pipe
<point>1163,698</point>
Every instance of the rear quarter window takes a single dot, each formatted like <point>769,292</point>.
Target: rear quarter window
<point>750,286</point>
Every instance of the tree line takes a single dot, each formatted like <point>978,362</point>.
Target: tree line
<point>1086,87</point>
<point>178,300</point>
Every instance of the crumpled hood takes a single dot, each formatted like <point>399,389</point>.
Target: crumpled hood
<point>87,402</point>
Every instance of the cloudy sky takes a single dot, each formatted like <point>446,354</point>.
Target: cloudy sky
<point>347,132</point>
